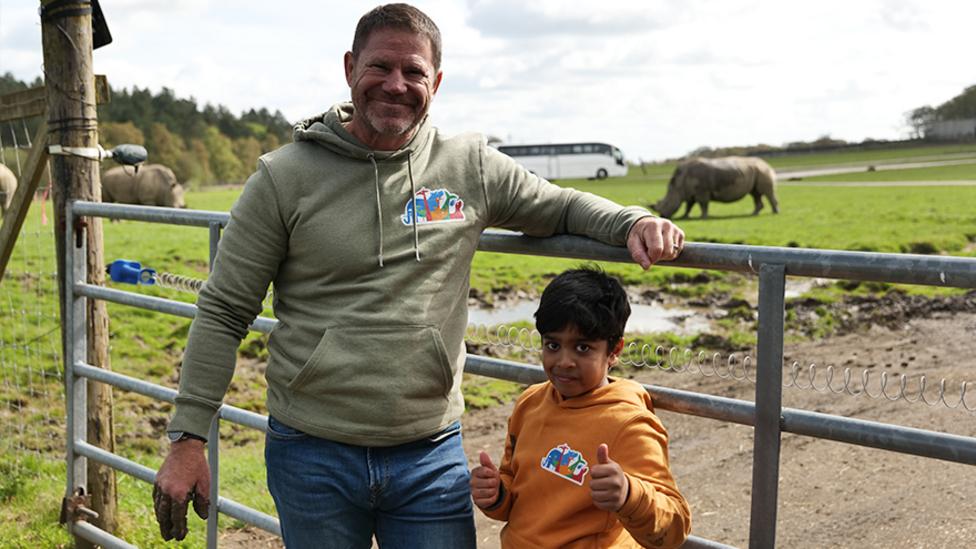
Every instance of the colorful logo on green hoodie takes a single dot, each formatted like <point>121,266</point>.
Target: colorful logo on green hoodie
<point>567,463</point>
<point>437,206</point>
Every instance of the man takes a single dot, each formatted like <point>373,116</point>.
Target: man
<point>367,225</point>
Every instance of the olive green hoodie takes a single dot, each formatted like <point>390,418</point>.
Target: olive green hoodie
<point>371,306</point>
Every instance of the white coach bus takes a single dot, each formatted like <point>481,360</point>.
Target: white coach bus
<point>569,160</point>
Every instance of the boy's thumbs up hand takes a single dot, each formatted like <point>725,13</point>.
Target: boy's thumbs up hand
<point>485,481</point>
<point>609,486</point>
<point>486,461</point>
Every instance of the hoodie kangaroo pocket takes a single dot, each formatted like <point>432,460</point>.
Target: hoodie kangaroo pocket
<point>372,370</point>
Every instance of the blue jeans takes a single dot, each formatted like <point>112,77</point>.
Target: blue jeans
<point>328,494</point>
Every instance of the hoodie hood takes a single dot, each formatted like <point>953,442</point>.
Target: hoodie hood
<point>328,130</point>
<point>614,392</point>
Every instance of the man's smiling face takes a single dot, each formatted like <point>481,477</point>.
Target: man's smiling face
<point>393,80</point>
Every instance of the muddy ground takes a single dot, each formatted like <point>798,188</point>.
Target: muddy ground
<point>831,494</point>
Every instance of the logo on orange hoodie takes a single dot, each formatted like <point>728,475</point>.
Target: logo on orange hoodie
<point>566,463</point>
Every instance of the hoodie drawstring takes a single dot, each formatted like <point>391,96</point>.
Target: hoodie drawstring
<point>413,197</point>
<point>379,207</point>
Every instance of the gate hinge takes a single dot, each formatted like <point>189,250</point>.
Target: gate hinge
<point>76,508</point>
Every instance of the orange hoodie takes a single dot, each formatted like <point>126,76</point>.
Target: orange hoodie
<point>545,472</point>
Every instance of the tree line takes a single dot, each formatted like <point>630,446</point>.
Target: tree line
<point>202,145</point>
<point>211,145</point>
<point>961,106</point>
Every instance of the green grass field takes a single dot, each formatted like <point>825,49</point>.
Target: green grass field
<point>925,219</point>
<point>880,219</point>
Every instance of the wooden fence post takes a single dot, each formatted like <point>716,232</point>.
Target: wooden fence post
<point>66,30</point>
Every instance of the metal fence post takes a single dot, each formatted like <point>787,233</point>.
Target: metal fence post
<point>75,347</point>
<point>214,241</point>
<point>769,405</point>
<point>213,436</point>
<point>213,460</point>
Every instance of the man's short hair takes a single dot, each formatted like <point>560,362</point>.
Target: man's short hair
<point>402,17</point>
<point>587,298</point>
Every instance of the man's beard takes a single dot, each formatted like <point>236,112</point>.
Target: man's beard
<point>392,125</point>
<point>397,123</point>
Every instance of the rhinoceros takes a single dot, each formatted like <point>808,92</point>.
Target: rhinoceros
<point>723,179</point>
<point>153,185</point>
<point>8,185</point>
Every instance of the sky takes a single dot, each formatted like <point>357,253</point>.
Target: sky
<point>657,78</point>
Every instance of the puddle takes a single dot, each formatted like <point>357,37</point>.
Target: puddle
<point>799,285</point>
<point>643,318</point>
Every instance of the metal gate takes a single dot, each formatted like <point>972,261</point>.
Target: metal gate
<point>766,415</point>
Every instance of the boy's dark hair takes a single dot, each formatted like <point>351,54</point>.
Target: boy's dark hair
<point>401,17</point>
<point>587,298</point>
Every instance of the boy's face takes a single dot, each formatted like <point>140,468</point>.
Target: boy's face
<point>574,364</point>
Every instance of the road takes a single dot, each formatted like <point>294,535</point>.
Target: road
<point>964,183</point>
<point>785,175</point>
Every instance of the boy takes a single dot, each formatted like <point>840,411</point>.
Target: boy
<point>586,459</point>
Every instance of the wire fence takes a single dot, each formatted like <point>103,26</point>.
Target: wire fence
<point>31,382</point>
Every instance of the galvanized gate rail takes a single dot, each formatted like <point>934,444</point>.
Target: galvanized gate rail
<point>767,415</point>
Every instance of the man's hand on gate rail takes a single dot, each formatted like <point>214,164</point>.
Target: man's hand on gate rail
<point>183,477</point>
<point>653,239</point>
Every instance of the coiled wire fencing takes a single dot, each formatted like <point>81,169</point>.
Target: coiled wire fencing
<point>767,415</point>
<point>825,379</point>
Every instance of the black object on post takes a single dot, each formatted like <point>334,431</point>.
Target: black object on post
<point>129,155</point>
<point>100,33</point>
